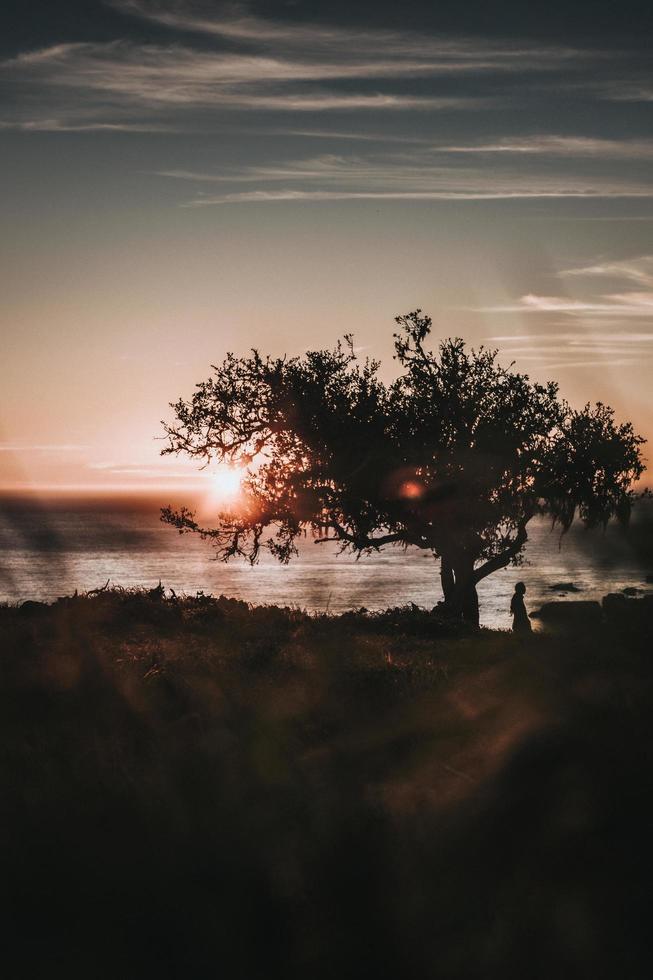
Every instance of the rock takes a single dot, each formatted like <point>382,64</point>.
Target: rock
<point>616,607</point>
<point>565,587</point>
<point>573,614</point>
<point>614,600</point>
<point>32,608</point>
<point>627,612</point>
<point>630,590</point>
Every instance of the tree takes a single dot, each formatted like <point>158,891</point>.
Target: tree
<point>455,456</point>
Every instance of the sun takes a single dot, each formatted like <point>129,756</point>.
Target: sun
<point>226,482</point>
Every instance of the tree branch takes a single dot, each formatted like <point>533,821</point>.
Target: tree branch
<point>365,542</point>
<point>504,559</point>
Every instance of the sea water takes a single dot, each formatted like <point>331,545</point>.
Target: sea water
<point>50,550</point>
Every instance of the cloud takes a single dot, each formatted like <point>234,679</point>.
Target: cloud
<point>596,337</point>
<point>360,137</point>
<point>638,270</point>
<point>248,62</point>
<point>101,79</point>
<point>563,146</point>
<point>220,64</point>
<point>634,302</point>
<point>402,176</point>
<point>444,54</point>
<point>589,362</point>
<point>617,304</point>
<point>574,338</point>
<point>262,196</point>
<point>157,471</point>
<point>628,93</point>
<point>9,447</point>
<point>543,145</point>
<point>61,126</point>
<point>577,349</point>
<point>33,59</point>
<point>117,470</point>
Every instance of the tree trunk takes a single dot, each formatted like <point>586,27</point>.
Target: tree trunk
<point>469,603</point>
<point>459,577</point>
<point>447,579</point>
<point>459,589</point>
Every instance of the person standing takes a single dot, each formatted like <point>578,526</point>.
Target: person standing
<point>520,619</point>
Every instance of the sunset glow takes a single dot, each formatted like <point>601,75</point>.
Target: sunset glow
<point>226,482</point>
<point>177,185</point>
<point>326,488</point>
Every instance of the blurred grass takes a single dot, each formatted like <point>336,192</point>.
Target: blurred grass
<point>196,788</point>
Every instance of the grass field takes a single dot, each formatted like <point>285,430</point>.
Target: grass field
<point>193,788</point>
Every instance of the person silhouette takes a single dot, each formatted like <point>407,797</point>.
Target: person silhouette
<point>520,621</point>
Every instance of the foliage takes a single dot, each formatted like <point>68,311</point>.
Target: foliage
<point>455,456</point>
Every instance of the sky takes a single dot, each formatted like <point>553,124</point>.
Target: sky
<point>180,179</point>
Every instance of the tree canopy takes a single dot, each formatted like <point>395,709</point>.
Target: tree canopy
<point>455,456</point>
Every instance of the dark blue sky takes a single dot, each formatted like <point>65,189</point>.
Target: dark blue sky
<point>29,23</point>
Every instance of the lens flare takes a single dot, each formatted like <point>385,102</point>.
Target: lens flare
<point>411,490</point>
<point>226,482</point>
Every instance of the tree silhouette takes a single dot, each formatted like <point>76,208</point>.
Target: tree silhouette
<point>456,456</point>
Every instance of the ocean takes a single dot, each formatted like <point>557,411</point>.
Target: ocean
<point>50,549</point>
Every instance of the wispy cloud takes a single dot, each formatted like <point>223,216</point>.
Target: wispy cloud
<point>262,196</point>
<point>442,54</point>
<point>413,176</point>
<point>157,471</point>
<point>578,349</point>
<point>104,78</point>
<point>128,470</point>
<point>242,61</point>
<point>638,269</point>
<point>222,62</point>
<point>574,338</point>
<point>628,93</point>
<point>562,146</point>
<point>358,137</point>
<point>617,304</point>
<point>64,447</point>
<point>595,333</point>
<point>61,126</point>
<point>614,305</point>
<point>542,145</point>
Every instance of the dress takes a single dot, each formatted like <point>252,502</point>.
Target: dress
<point>520,621</point>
